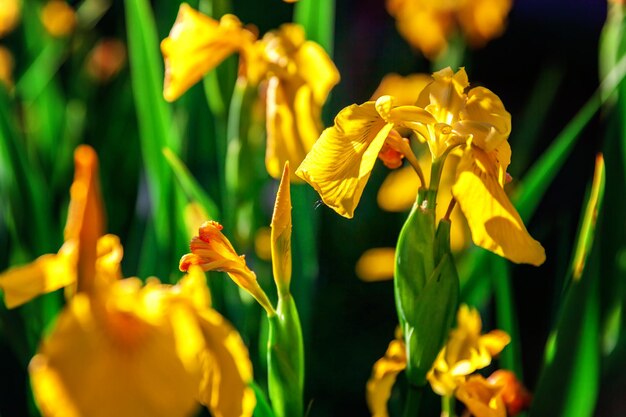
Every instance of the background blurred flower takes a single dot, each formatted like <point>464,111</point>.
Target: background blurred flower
<point>10,12</point>
<point>106,59</point>
<point>428,24</point>
<point>58,18</point>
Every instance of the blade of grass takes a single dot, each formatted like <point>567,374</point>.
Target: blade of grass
<point>190,186</point>
<point>569,382</point>
<point>540,175</point>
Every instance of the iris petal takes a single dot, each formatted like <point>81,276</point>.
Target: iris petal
<point>342,159</point>
<point>494,223</point>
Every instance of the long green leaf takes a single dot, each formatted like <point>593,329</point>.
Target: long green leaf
<point>156,127</point>
<point>541,174</point>
<point>318,19</point>
<point>569,383</point>
<point>190,186</point>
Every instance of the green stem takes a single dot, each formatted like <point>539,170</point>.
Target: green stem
<point>447,406</point>
<point>413,399</point>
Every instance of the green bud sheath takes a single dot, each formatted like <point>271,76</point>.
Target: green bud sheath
<point>426,289</point>
<point>285,357</point>
<point>414,258</point>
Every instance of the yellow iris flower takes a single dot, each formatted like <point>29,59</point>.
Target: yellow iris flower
<point>298,73</point>
<point>384,374</point>
<point>466,351</point>
<point>428,24</point>
<point>152,351</point>
<point>448,118</point>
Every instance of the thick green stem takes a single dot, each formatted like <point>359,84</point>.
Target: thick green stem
<point>447,406</point>
<point>413,400</point>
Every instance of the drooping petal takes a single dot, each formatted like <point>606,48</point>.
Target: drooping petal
<point>293,124</point>
<point>317,70</point>
<point>481,397</point>
<point>197,44</point>
<point>383,377</point>
<point>342,159</point>
<point>281,235</point>
<point>46,274</point>
<point>494,223</point>
<point>225,386</point>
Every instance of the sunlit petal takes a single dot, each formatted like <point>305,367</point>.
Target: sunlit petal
<point>46,274</point>
<point>85,216</point>
<point>485,118</point>
<point>341,161</point>
<point>132,359</point>
<point>224,388</point>
<point>293,124</point>
<point>197,44</point>
<point>493,221</point>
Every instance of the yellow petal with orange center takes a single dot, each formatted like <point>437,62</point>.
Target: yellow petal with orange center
<point>494,223</point>
<point>342,159</point>
<point>212,251</point>
<point>197,44</point>
<point>383,377</point>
